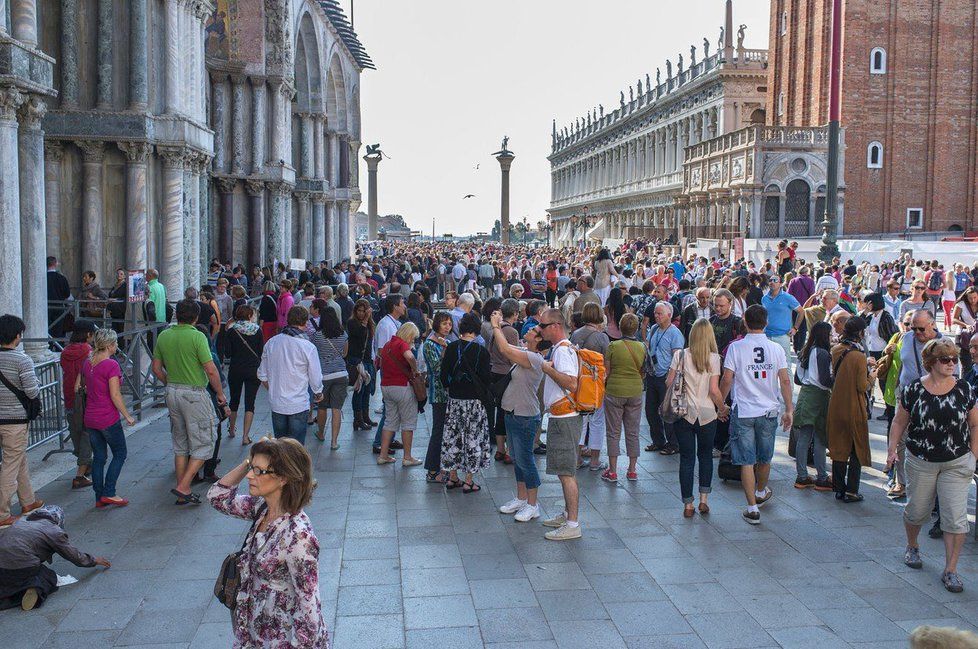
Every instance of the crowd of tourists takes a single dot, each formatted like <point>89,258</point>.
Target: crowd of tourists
<point>513,353</point>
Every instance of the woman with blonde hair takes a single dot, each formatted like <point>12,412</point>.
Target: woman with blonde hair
<point>623,362</point>
<point>398,365</point>
<point>278,602</point>
<point>700,367</point>
<point>102,379</point>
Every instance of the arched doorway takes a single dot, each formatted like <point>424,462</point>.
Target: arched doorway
<point>797,209</point>
<point>305,230</point>
<point>770,227</point>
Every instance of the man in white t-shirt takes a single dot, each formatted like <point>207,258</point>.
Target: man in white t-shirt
<point>563,431</point>
<point>756,369</point>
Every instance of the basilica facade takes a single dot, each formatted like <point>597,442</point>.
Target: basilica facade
<point>160,134</point>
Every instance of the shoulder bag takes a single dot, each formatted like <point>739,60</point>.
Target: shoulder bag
<point>229,578</point>
<point>32,406</point>
<point>638,366</point>
<point>81,399</point>
<point>674,406</point>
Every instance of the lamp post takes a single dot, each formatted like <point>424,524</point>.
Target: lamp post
<point>830,224</point>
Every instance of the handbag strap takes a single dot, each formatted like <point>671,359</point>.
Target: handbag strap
<point>249,347</point>
<point>254,525</point>
<point>17,392</point>
<point>628,348</point>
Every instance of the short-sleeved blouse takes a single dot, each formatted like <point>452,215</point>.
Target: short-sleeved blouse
<point>701,406</point>
<point>938,429</point>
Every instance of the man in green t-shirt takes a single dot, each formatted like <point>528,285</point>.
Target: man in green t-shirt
<point>182,361</point>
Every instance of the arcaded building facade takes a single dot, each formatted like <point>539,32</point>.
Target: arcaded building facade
<point>162,133</point>
<point>909,105</point>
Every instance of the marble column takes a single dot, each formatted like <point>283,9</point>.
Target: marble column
<point>225,237</point>
<point>276,227</point>
<point>331,232</point>
<point>307,147</point>
<point>191,224</point>
<point>33,243</point>
<point>207,250</point>
<point>54,154</point>
<point>318,251</point>
<point>288,238</point>
<point>257,125</point>
<point>92,206</point>
<point>275,154</point>
<point>256,221</point>
<point>172,61</point>
<point>23,18</point>
<point>237,125</point>
<point>286,93</point>
<point>304,235</point>
<point>137,232</point>
<point>138,56</point>
<point>104,55</point>
<point>69,54</point>
<point>171,266</point>
<point>319,151</point>
<point>345,243</point>
<point>219,103</point>
<point>505,159</point>
<point>334,159</point>
<point>372,163</point>
<point>11,277</point>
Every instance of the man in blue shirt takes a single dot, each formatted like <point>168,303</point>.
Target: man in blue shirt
<point>663,341</point>
<point>782,307</point>
<point>678,267</point>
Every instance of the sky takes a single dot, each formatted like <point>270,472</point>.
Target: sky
<point>454,76</point>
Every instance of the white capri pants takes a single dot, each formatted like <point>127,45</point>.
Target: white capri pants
<point>594,430</point>
<point>603,294</point>
<point>951,481</point>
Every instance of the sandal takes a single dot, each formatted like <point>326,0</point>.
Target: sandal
<point>231,433</point>
<point>470,487</point>
<point>852,498</point>
<point>321,438</point>
<point>688,510</point>
<point>704,508</point>
<point>436,477</point>
<point>652,448</point>
<point>668,450</point>
<point>453,484</point>
<point>245,441</point>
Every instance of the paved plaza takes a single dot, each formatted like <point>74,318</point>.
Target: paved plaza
<point>405,564</point>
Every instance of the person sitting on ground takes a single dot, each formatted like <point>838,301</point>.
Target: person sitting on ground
<point>25,547</point>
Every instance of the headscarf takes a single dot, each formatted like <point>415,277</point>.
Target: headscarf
<point>51,513</point>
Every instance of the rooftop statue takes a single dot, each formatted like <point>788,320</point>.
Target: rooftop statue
<point>720,41</point>
<point>740,36</point>
<point>692,55</point>
<point>706,48</point>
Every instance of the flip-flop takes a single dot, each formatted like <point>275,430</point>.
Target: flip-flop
<point>470,488</point>
<point>453,484</point>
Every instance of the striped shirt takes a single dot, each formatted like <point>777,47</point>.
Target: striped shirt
<point>18,369</point>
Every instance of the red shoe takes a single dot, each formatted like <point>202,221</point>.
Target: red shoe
<point>507,459</point>
<point>609,476</point>
<point>26,509</point>
<point>115,501</point>
<point>632,475</point>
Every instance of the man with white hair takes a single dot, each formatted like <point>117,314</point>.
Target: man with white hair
<point>464,305</point>
<point>663,341</point>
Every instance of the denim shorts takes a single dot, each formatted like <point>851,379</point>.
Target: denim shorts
<point>752,439</point>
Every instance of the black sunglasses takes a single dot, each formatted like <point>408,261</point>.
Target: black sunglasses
<point>544,325</point>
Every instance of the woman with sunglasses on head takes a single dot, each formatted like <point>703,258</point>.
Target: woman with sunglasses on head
<point>939,421</point>
<point>917,300</point>
<point>278,602</point>
<point>965,314</point>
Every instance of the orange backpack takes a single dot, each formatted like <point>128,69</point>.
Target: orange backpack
<point>589,395</point>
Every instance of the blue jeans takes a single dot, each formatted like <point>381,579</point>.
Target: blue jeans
<point>293,426</point>
<point>752,439</point>
<point>695,445</point>
<point>103,481</point>
<point>520,431</point>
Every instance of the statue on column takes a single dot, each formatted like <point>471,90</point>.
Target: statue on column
<point>741,33</point>
<point>658,77</point>
<point>505,146</point>
<point>622,99</point>
<point>706,48</point>
<point>680,67</point>
<point>631,94</point>
<point>648,83</point>
<point>692,56</point>
<point>639,87</point>
<point>720,40</point>
<point>668,69</point>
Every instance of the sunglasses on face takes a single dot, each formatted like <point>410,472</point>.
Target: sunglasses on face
<point>544,325</point>
<point>948,360</point>
<point>918,288</point>
<point>919,329</point>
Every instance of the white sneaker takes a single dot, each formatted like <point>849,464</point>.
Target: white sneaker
<point>512,506</point>
<point>557,521</point>
<point>527,513</point>
<point>564,533</point>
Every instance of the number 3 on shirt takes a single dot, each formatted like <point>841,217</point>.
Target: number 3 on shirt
<point>758,354</point>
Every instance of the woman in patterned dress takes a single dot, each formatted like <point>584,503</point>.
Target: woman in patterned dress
<point>278,605</point>
<point>465,372</point>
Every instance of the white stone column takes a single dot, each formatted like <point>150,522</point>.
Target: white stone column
<point>191,223</point>
<point>275,153</point>
<point>171,268</point>
<point>93,206</point>
<point>318,251</point>
<point>256,222</point>
<point>54,154</point>
<point>69,54</point>
<point>319,145</point>
<point>137,233</point>
<point>23,17</point>
<point>257,126</point>
<point>219,107</point>
<point>334,159</point>
<point>305,226</point>
<point>237,125</point>
<point>172,63</point>
<point>287,92</point>
<point>307,146</point>
<point>289,238</point>
<point>345,242</point>
<point>138,56</point>
<point>332,232</point>
<point>33,242</point>
<point>276,227</point>
<point>11,277</point>
<point>104,55</point>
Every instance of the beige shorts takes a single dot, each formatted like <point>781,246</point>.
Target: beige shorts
<point>950,481</point>
<point>191,421</point>
<point>400,408</point>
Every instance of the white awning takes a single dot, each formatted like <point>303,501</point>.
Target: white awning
<point>597,232</point>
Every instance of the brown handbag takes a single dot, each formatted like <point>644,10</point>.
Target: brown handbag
<point>229,578</point>
<point>420,386</point>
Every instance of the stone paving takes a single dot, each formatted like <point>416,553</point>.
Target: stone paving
<point>407,564</point>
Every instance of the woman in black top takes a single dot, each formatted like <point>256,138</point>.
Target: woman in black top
<point>360,329</point>
<point>268,311</point>
<point>416,315</point>
<point>465,372</point>
<point>118,300</point>
<point>937,414</point>
<point>242,343</point>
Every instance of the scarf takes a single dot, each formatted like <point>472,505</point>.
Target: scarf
<point>245,327</point>
<point>294,331</point>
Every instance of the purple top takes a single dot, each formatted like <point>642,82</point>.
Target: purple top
<point>801,288</point>
<point>100,412</point>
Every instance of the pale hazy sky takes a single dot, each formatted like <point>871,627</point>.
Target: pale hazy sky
<point>454,76</point>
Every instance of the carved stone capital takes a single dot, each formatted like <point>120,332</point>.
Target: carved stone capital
<point>319,198</point>
<point>92,150</point>
<point>303,197</point>
<point>10,100</point>
<point>173,157</point>
<point>255,187</point>
<point>256,81</point>
<point>136,151</point>
<point>32,111</point>
<point>280,188</point>
<point>217,76</point>
<point>54,150</point>
<point>287,90</point>
<point>226,185</point>
<point>237,80</point>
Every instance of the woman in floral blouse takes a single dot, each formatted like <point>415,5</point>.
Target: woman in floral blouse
<point>278,603</point>
<point>433,350</point>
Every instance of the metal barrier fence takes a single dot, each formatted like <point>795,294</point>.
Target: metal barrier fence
<point>52,424</point>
